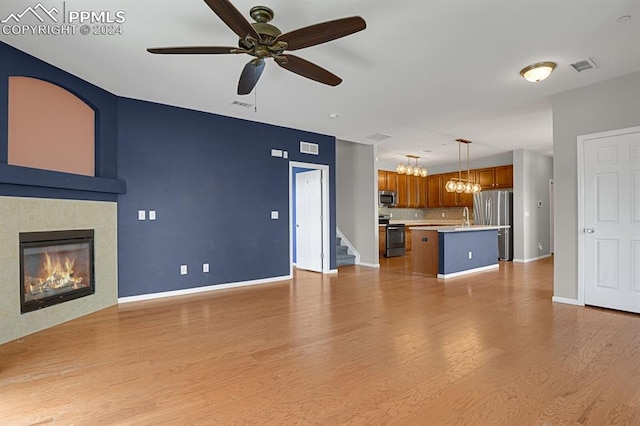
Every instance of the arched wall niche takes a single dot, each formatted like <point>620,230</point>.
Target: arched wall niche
<point>50,128</point>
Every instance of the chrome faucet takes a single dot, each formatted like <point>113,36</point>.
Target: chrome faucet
<point>465,217</point>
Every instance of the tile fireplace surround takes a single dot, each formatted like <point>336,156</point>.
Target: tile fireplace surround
<point>37,214</point>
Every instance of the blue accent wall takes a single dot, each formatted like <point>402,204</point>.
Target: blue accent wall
<point>211,179</point>
<point>454,248</point>
<point>213,183</point>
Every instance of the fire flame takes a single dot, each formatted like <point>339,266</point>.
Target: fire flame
<point>57,275</point>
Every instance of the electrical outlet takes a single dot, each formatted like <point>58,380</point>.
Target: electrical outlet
<point>416,215</point>
<point>142,214</point>
<point>205,267</point>
<point>442,214</point>
<point>183,269</point>
<point>470,255</point>
<point>540,246</point>
<point>390,215</point>
<point>152,215</point>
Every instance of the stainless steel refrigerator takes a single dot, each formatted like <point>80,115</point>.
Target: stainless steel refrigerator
<point>496,208</point>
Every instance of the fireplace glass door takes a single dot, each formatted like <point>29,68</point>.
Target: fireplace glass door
<point>55,267</point>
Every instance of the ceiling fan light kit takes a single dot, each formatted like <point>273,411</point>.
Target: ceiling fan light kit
<point>459,185</point>
<point>263,40</point>
<point>537,72</point>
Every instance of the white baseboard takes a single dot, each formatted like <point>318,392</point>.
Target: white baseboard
<point>332,271</point>
<point>469,271</point>
<point>204,289</point>
<point>371,265</point>
<point>533,259</point>
<point>565,300</point>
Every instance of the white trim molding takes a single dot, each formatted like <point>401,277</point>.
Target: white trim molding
<point>566,301</point>
<point>469,271</point>
<point>184,292</point>
<point>533,259</point>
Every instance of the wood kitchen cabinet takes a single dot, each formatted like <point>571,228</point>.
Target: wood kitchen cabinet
<point>387,181</point>
<point>403,191</point>
<point>416,192</point>
<point>407,239</point>
<point>499,177</point>
<point>439,197</point>
<point>382,240</point>
<point>435,188</point>
<point>504,176</point>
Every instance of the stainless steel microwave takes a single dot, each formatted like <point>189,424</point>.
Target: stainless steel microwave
<point>387,198</point>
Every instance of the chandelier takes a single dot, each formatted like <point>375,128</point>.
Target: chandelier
<point>459,185</point>
<point>412,170</point>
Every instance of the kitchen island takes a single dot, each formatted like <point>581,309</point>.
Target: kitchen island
<point>451,251</point>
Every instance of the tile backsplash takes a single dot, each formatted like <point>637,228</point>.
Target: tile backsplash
<point>451,213</point>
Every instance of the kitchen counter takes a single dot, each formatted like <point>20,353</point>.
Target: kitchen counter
<point>451,251</point>
<point>426,222</point>
<point>458,228</point>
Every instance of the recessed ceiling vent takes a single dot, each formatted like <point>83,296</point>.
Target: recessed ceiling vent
<point>242,104</point>
<point>378,137</point>
<point>584,65</point>
<point>309,148</point>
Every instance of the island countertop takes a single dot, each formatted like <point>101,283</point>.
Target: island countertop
<point>459,228</point>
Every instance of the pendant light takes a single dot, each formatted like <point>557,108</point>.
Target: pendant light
<point>460,185</point>
<point>410,170</point>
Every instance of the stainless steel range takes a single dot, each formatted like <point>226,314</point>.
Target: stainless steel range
<point>394,237</point>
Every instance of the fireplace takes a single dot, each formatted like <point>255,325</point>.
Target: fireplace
<point>55,267</point>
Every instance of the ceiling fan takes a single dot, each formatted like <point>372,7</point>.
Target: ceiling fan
<point>263,40</point>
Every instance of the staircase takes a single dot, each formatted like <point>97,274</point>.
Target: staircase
<point>343,258</point>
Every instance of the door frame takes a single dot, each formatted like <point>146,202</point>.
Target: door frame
<point>326,240</point>
<point>581,235</point>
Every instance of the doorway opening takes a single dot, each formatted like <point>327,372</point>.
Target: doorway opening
<point>309,245</point>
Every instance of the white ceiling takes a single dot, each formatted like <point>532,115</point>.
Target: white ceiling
<point>424,72</point>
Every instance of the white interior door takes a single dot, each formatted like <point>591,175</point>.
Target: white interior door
<point>309,220</point>
<point>611,222</point>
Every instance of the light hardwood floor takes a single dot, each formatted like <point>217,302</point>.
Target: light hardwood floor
<point>365,346</point>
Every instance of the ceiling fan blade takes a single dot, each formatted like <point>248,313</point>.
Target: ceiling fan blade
<point>204,50</point>
<point>323,32</point>
<point>233,18</point>
<point>250,75</point>
<point>309,70</point>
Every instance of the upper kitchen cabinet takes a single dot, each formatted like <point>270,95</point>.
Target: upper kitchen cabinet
<point>417,192</point>
<point>495,177</point>
<point>435,188</point>
<point>387,181</point>
<point>403,191</point>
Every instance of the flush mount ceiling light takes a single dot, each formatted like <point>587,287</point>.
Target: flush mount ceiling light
<point>412,170</point>
<point>538,72</point>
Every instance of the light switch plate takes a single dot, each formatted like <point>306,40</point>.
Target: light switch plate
<point>285,154</point>
<point>274,214</point>
<point>183,269</point>
<point>152,215</point>
<point>205,267</point>
<point>142,215</point>
<point>276,153</point>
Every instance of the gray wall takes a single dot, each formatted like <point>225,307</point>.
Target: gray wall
<point>531,175</point>
<point>356,198</point>
<point>610,105</point>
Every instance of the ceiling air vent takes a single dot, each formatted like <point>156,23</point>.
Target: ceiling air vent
<point>378,137</point>
<point>309,148</point>
<point>584,65</point>
<point>242,104</point>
